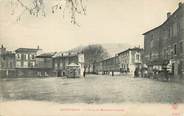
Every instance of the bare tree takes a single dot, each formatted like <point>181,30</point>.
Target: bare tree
<point>93,54</point>
<point>38,8</point>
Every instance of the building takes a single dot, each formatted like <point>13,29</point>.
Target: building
<point>164,44</point>
<point>44,64</point>
<point>26,61</point>
<point>130,59</point>
<point>63,60</point>
<point>111,65</point>
<point>26,57</point>
<point>124,62</point>
<point>7,63</point>
<point>97,68</point>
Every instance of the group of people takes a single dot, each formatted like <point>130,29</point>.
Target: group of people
<point>141,72</point>
<point>155,74</point>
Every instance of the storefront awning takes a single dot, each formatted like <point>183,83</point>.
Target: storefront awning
<point>73,65</point>
<point>158,62</point>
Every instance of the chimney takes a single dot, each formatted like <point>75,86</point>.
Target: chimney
<point>168,14</point>
<point>180,4</point>
<point>2,46</point>
<point>38,47</point>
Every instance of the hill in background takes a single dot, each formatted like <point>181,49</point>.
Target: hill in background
<point>111,48</point>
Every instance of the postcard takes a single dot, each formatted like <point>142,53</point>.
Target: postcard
<point>91,57</point>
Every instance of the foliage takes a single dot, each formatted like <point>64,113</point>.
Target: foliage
<point>39,8</point>
<point>94,53</point>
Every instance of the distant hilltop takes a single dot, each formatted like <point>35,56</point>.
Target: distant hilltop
<point>114,48</point>
<point>111,48</point>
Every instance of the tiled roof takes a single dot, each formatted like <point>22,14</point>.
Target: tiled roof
<point>26,50</point>
<point>7,53</point>
<point>131,49</point>
<point>64,54</point>
<point>73,65</point>
<point>46,55</point>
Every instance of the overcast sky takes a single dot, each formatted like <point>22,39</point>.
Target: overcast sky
<point>107,21</point>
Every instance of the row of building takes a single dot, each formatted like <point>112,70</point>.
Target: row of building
<point>30,62</point>
<point>123,62</point>
<point>164,45</point>
<point>33,62</point>
<point>163,50</point>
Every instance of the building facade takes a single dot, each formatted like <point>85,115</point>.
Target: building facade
<point>7,63</point>
<point>111,65</point>
<point>124,62</point>
<point>45,65</point>
<point>26,61</point>
<point>164,44</point>
<point>130,59</point>
<point>63,60</point>
<point>26,57</point>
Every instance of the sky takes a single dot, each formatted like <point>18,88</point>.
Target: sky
<point>106,21</point>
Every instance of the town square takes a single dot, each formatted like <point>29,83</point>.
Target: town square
<point>123,56</point>
<point>92,90</point>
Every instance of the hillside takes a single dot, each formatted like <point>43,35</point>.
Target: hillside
<point>111,48</point>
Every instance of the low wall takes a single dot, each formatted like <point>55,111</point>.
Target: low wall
<point>7,73</point>
<point>27,73</point>
<point>35,73</point>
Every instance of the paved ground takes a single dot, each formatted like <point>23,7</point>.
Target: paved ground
<point>92,89</point>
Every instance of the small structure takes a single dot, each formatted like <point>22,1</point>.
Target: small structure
<point>73,71</point>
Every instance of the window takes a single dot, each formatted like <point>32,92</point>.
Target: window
<point>4,58</point>
<point>151,44</point>
<point>25,64</point>
<point>11,65</point>
<point>171,31</point>
<point>175,49</point>
<point>18,56</point>
<point>26,55</point>
<point>172,54</point>
<point>181,47</point>
<point>18,64</point>
<point>32,64</point>
<point>178,27</point>
<point>165,53</point>
<point>32,56</point>
<point>55,65</point>
<point>175,29</point>
<point>137,57</point>
<point>150,55</point>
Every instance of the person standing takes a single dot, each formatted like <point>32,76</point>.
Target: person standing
<point>84,73</point>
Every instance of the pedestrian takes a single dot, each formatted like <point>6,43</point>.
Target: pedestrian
<point>84,73</point>
<point>136,72</point>
<point>146,73</point>
<point>166,75</point>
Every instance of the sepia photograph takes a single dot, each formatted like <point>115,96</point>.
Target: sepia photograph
<point>92,57</point>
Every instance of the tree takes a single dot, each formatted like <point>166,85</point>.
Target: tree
<point>93,54</point>
<point>40,7</point>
